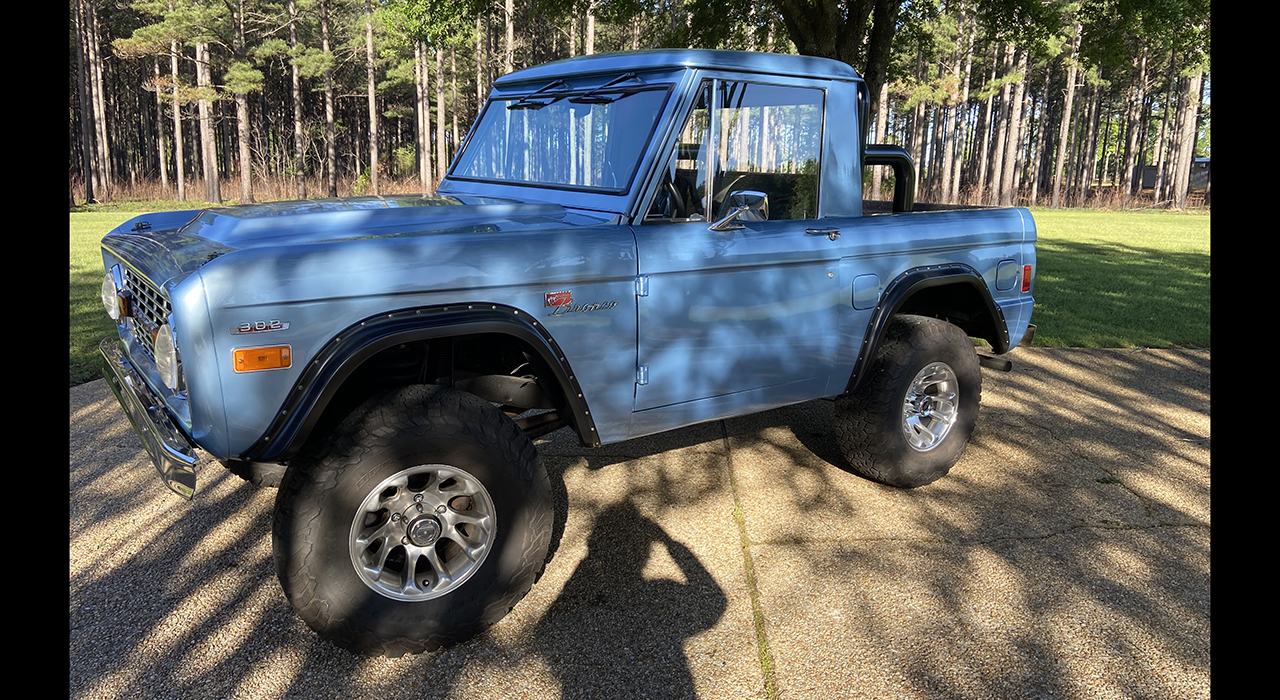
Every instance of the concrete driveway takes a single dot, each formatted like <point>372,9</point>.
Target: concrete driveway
<point>1066,556</point>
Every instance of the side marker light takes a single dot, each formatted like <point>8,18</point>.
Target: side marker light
<point>254,359</point>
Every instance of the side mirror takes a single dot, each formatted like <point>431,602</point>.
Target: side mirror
<point>746,205</point>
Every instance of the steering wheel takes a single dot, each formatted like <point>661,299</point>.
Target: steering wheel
<point>677,202</point>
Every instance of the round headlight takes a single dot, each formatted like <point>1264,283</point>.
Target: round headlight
<point>167,357</point>
<point>109,300</point>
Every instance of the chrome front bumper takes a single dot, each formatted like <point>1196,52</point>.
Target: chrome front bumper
<point>171,452</point>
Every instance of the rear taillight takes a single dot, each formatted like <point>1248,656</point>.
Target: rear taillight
<point>1026,278</point>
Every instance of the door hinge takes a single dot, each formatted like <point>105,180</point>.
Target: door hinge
<point>642,286</point>
<point>642,375</point>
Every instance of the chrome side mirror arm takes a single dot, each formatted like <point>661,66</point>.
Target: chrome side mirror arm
<point>747,206</point>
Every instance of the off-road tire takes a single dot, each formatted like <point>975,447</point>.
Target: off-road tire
<point>264,476</point>
<point>870,421</point>
<point>332,481</point>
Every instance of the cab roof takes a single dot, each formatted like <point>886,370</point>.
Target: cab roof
<point>659,59</point>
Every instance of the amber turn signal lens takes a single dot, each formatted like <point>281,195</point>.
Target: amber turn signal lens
<point>254,359</point>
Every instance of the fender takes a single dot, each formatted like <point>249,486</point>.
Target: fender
<point>342,355</point>
<point>898,291</point>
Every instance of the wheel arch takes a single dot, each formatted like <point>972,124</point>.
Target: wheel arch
<point>954,292</point>
<point>344,354</point>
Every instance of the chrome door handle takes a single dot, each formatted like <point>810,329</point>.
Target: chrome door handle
<point>832,233</point>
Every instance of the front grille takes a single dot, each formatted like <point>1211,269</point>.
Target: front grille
<point>150,309</point>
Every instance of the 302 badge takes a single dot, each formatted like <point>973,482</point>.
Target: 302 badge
<point>260,327</point>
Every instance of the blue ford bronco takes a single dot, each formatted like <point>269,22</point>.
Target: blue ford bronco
<point>625,244</point>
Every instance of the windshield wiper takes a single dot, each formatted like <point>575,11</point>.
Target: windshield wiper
<point>591,98</point>
<point>527,102</point>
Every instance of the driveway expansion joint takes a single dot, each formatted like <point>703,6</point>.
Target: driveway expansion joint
<point>748,564</point>
<point>1098,525</point>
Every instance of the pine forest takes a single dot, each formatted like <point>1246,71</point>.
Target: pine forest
<point>1000,102</point>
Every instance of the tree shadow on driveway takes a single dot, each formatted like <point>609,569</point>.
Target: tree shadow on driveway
<point>637,622</point>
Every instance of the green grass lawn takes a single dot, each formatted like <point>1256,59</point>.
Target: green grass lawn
<point>89,322</point>
<point>1112,279</point>
<point>1105,279</point>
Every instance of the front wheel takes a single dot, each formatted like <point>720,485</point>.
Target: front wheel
<point>910,419</point>
<point>420,522</point>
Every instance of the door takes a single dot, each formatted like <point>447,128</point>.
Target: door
<point>747,308</point>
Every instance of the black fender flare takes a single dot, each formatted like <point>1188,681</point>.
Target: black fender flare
<point>898,291</point>
<point>346,351</point>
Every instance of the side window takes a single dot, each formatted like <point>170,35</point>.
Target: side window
<point>769,138</point>
<point>682,191</point>
<point>762,138</point>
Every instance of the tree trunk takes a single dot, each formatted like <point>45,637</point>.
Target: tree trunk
<point>1023,141</point>
<point>509,57</point>
<point>453,76</point>
<point>884,21</point>
<point>242,115</point>
<point>298,145</point>
<point>97,96</point>
<point>954,195</point>
<point>938,127</point>
<point>192,135</point>
<point>986,134</point>
<point>1038,161</point>
<point>1162,163</point>
<point>949,140</point>
<point>373,99</point>
<point>86,109</point>
<point>882,124</point>
<point>179,159</point>
<point>1007,178</point>
<point>482,30</point>
<point>222,130</point>
<point>1144,138</point>
<point>573,34</point>
<point>442,150</point>
<point>590,43</point>
<point>423,121</point>
<point>1187,140</point>
<point>1003,131</point>
<point>330,134</point>
<point>160,149</point>
<point>917,144</point>
<point>1089,154</point>
<point>208,149</point>
<point>1066,118</point>
<point>1132,182</point>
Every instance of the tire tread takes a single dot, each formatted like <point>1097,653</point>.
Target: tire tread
<point>867,421</point>
<point>374,425</point>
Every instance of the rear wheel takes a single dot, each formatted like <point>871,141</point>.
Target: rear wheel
<point>422,521</point>
<point>910,419</point>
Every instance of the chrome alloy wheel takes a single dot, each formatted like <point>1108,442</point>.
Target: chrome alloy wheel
<point>422,532</point>
<point>931,406</point>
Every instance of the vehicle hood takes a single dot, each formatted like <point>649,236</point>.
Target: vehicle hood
<point>167,246</point>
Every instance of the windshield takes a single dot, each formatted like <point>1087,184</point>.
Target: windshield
<point>562,138</point>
